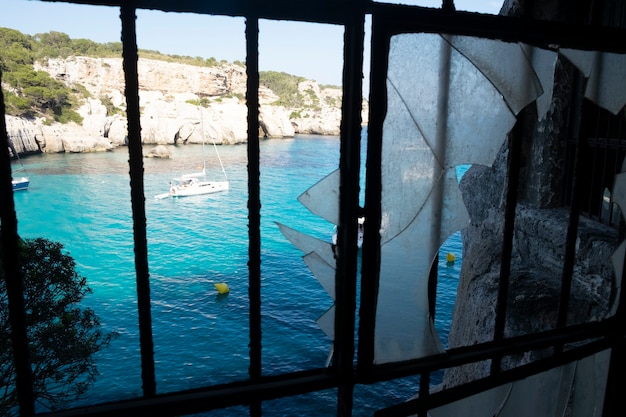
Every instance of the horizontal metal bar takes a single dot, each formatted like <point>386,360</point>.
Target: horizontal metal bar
<point>484,351</point>
<point>320,11</point>
<point>218,396</point>
<point>272,387</point>
<point>541,33</point>
<point>446,396</point>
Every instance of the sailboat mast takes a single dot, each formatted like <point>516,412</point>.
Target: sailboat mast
<point>202,133</point>
<point>214,145</point>
<point>220,159</point>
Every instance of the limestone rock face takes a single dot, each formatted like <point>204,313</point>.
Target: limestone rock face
<point>115,129</point>
<point>35,136</point>
<point>94,115</point>
<point>275,123</point>
<point>170,97</point>
<point>23,134</point>
<point>535,272</point>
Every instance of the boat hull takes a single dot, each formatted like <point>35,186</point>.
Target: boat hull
<point>198,188</point>
<point>20,184</point>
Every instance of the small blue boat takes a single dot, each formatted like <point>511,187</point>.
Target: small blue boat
<point>21,184</point>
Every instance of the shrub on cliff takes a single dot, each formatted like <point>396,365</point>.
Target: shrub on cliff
<point>285,86</point>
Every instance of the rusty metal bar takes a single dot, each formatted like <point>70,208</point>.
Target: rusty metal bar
<point>254,203</point>
<point>13,275</point>
<point>370,268</point>
<point>138,199</point>
<point>572,229</point>
<point>513,168</point>
<point>349,165</point>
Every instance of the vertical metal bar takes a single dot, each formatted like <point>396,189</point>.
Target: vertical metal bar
<point>570,148</point>
<point>424,393</point>
<point>349,165</point>
<point>370,268</point>
<point>605,175</point>
<point>433,278</point>
<point>254,201</point>
<point>614,211</point>
<point>614,405</point>
<point>424,388</point>
<point>572,229</point>
<point>448,6</point>
<point>131,78</point>
<point>590,164</point>
<point>438,184</point>
<point>13,276</point>
<point>513,168</point>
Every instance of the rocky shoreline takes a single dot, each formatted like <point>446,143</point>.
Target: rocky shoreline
<point>171,114</point>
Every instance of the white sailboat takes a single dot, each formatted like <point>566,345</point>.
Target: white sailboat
<point>197,183</point>
<point>21,182</point>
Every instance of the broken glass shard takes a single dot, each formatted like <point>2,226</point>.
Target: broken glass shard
<point>449,103</point>
<point>323,198</point>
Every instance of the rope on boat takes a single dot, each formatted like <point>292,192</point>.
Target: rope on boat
<point>220,159</point>
<point>214,144</point>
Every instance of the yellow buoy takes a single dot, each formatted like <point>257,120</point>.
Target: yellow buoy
<point>222,287</point>
<point>450,257</point>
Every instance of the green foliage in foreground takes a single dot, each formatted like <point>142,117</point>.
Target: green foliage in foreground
<point>63,335</point>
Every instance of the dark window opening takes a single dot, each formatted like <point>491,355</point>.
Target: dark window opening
<point>603,157</point>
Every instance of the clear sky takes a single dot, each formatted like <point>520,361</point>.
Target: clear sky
<point>309,50</point>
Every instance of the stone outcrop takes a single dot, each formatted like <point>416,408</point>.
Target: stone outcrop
<point>535,272</point>
<point>538,245</point>
<point>25,136</point>
<point>170,97</point>
<point>159,151</point>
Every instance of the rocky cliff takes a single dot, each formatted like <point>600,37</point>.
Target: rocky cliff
<point>538,243</point>
<point>535,270</point>
<point>179,104</point>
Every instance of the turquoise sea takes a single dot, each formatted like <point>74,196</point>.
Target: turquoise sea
<point>200,337</point>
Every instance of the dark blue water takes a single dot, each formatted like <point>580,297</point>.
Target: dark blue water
<point>201,338</point>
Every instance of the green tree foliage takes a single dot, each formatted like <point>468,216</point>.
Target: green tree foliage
<point>63,336</point>
<point>285,86</point>
<point>36,93</point>
<point>33,93</point>
<point>30,93</point>
<point>60,45</point>
<point>108,103</point>
<point>15,49</point>
<point>53,44</point>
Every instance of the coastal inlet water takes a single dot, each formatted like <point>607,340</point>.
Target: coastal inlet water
<point>201,337</point>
